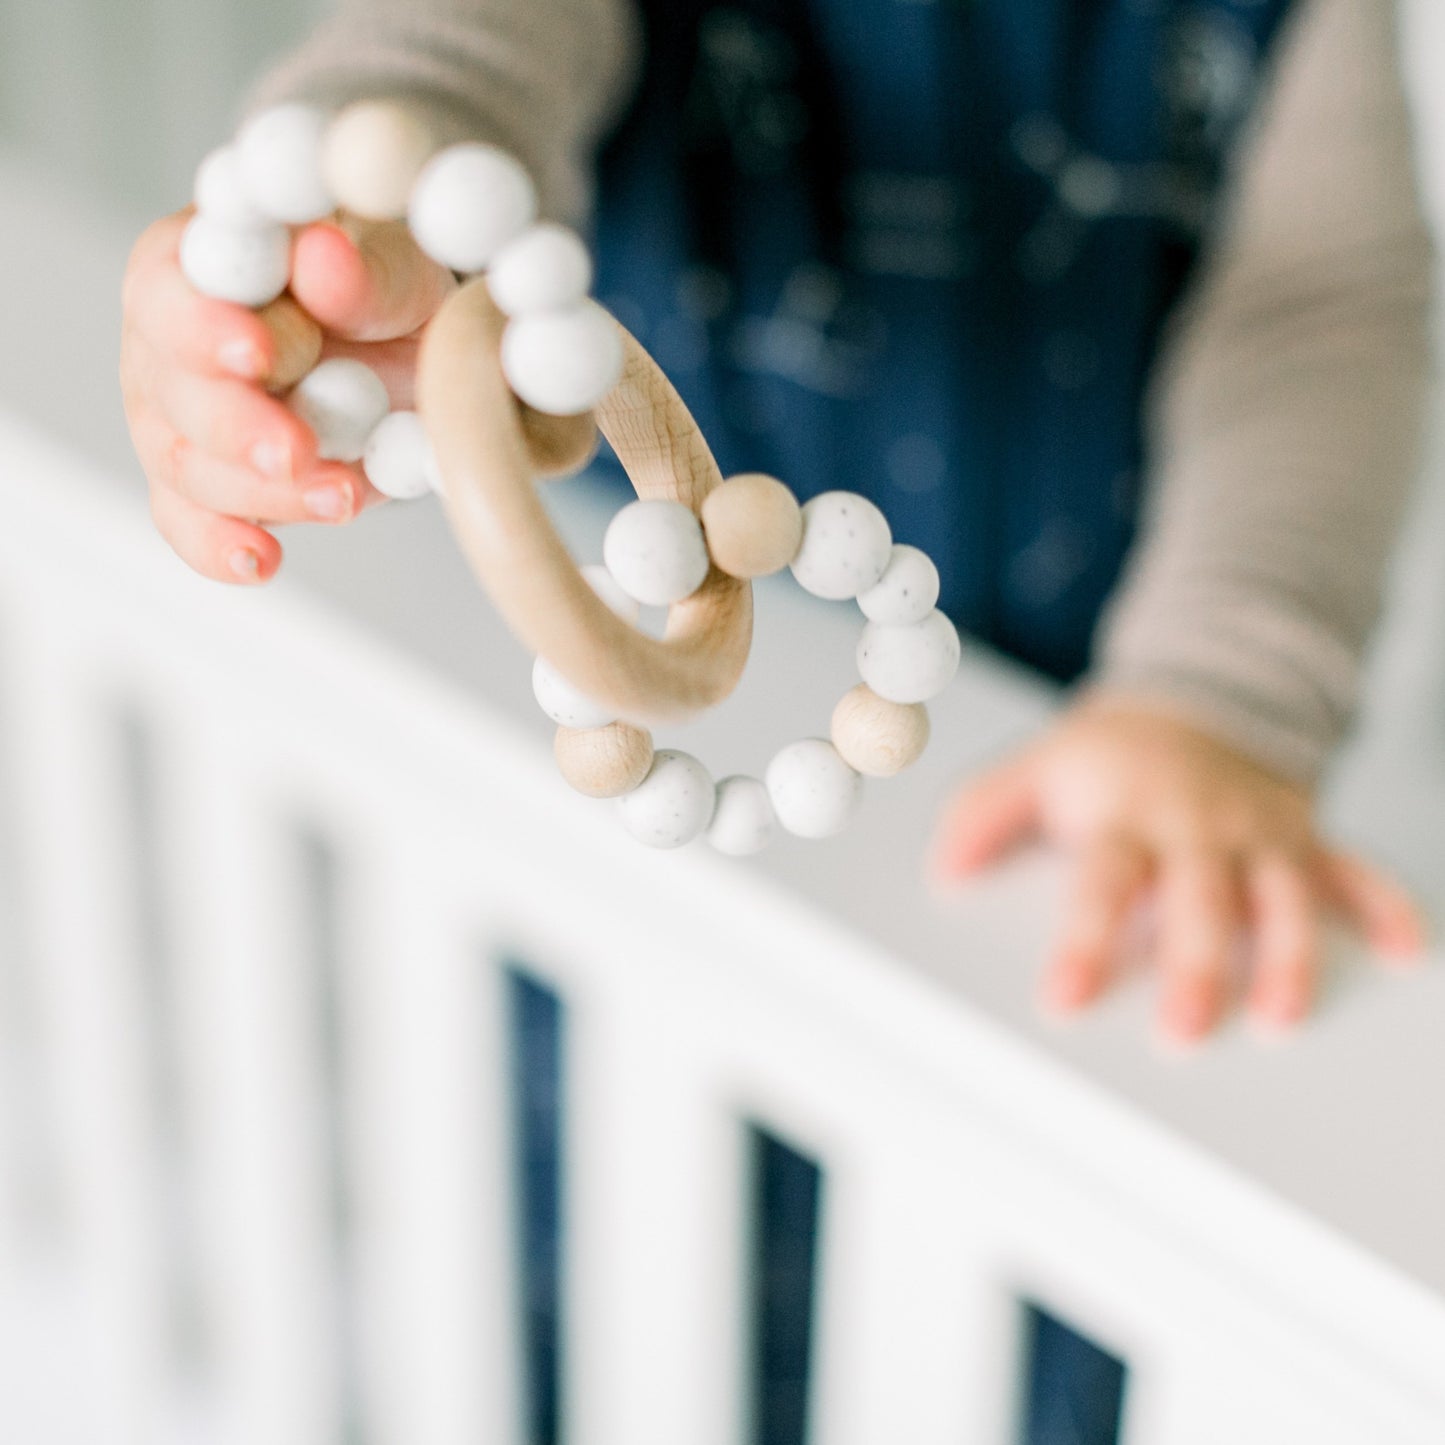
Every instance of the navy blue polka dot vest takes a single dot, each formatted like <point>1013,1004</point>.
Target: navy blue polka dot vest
<point>924,249</point>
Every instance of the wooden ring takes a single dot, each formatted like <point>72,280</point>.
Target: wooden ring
<point>491,502</point>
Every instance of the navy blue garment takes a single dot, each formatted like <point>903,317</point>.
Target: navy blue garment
<point>924,249</point>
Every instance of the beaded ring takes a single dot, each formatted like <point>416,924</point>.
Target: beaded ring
<point>525,330</point>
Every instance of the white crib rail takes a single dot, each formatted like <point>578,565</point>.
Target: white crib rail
<point>339,1211</point>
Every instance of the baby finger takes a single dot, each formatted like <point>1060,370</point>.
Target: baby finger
<point>225,549</point>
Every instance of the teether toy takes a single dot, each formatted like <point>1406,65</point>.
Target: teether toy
<point>343,402</point>
<point>546,268</point>
<point>248,265</point>
<point>518,370</point>
<point>398,459</point>
<point>279,152</point>
<point>468,202</point>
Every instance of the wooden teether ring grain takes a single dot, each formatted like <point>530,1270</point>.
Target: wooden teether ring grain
<point>491,501</point>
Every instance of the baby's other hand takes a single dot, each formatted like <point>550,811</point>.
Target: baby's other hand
<point>225,458</point>
<point>1146,803</point>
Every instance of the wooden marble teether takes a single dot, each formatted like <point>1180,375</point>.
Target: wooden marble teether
<point>499,521</point>
<point>518,370</point>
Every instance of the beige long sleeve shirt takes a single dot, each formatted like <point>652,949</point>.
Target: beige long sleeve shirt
<point>1286,410</point>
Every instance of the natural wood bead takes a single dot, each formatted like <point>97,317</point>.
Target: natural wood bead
<point>373,152</point>
<point>753,525</point>
<point>876,737</point>
<point>298,343</point>
<point>604,762</point>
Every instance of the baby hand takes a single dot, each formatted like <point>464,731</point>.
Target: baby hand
<point>1145,802</point>
<point>224,457</point>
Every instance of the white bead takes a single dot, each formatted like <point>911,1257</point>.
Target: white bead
<point>398,457</point>
<point>343,402</point>
<point>371,156</point>
<point>743,821</point>
<point>280,155</point>
<point>545,269</point>
<point>468,202</point>
<point>812,790</point>
<point>563,362</point>
<point>562,702</point>
<point>912,663</point>
<point>846,545</point>
<point>221,194</point>
<point>248,267</point>
<point>655,551</point>
<point>672,804</point>
<point>605,585</point>
<point>906,592</point>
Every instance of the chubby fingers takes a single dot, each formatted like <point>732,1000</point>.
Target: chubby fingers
<point>234,423</point>
<point>367,282</point>
<point>330,492</point>
<point>1200,915</point>
<point>225,549</point>
<point>985,820</point>
<point>1284,910</point>
<point>1110,876</point>
<point>275,346</point>
<point>240,429</point>
<point>1384,912</point>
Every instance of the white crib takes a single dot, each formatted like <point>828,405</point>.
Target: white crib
<point>266,858</point>
<point>244,1232</point>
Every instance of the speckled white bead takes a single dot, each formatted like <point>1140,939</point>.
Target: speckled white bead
<point>606,586</point>
<point>846,545</point>
<point>672,804</point>
<point>221,195</point>
<point>743,821</point>
<point>655,551</point>
<point>906,592</point>
<point>468,202</point>
<point>563,703</point>
<point>546,268</point>
<point>250,267</point>
<point>371,155</point>
<point>563,362</point>
<point>812,790</point>
<point>343,402</point>
<point>911,663</point>
<point>280,161</point>
<point>398,460</point>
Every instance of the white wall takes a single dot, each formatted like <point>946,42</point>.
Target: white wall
<point>125,96</point>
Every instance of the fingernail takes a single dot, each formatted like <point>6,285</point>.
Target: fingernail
<point>273,459</point>
<point>241,358</point>
<point>1188,1024</point>
<point>331,504</point>
<point>1281,1010</point>
<point>1064,995</point>
<point>245,564</point>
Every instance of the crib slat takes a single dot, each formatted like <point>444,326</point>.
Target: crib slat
<point>917,1333</point>
<point>434,1243</point>
<point>654,1219</point>
<point>245,991</point>
<point>71,812</point>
